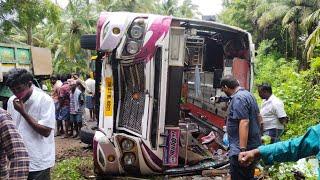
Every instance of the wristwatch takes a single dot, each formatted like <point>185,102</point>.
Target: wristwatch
<point>243,149</point>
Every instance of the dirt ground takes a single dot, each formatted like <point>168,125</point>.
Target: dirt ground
<point>67,148</point>
<point>70,147</point>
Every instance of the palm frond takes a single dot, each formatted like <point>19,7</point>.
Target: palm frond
<point>260,9</point>
<point>312,19</point>
<point>292,15</point>
<point>269,17</point>
<point>311,42</point>
<point>307,3</point>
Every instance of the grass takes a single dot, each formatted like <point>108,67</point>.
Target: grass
<point>73,168</point>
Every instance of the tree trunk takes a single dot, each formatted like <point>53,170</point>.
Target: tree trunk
<point>29,35</point>
<point>286,44</point>
<point>295,39</point>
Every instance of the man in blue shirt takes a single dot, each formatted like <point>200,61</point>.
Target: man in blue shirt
<point>290,150</point>
<point>243,126</point>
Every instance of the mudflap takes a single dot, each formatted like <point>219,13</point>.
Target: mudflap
<point>171,146</point>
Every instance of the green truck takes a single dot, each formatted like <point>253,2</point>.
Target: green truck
<point>34,59</point>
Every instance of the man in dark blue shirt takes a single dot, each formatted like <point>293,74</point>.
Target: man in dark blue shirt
<point>243,126</point>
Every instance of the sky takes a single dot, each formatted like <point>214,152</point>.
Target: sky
<point>62,3</point>
<point>206,7</point>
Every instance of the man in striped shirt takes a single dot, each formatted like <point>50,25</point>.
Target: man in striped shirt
<point>14,160</point>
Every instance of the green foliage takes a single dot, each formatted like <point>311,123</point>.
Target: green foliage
<point>64,66</point>
<point>28,14</point>
<point>70,168</point>
<point>282,171</point>
<point>171,7</point>
<point>187,9</point>
<point>312,42</point>
<point>237,14</point>
<point>43,24</point>
<point>266,47</point>
<point>299,91</point>
<point>293,24</point>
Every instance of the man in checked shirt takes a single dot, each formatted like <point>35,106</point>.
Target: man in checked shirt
<point>14,160</point>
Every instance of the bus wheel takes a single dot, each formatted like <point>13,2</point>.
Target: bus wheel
<point>87,134</point>
<point>88,41</point>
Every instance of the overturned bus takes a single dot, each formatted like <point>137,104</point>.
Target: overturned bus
<point>156,75</point>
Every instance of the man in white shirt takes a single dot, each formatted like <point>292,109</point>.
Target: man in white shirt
<point>34,114</point>
<point>272,112</point>
<point>89,92</point>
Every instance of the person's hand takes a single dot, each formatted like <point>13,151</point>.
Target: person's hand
<point>284,120</point>
<point>214,99</point>
<point>19,105</point>
<point>261,128</point>
<point>246,158</point>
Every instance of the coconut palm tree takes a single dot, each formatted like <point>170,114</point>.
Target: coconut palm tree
<point>292,14</point>
<point>141,6</point>
<point>313,28</point>
<point>188,10</point>
<point>167,7</point>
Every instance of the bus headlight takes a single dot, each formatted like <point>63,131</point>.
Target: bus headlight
<point>116,30</point>
<point>129,159</point>
<point>127,144</point>
<point>132,47</point>
<point>136,32</point>
<point>111,158</point>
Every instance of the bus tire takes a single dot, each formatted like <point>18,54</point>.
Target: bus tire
<point>88,41</point>
<point>86,135</point>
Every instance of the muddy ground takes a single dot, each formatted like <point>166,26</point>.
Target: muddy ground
<point>70,147</point>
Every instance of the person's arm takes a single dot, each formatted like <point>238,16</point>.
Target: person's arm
<point>243,133</point>
<point>81,98</point>
<point>20,107</point>
<point>13,146</point>
<point>260,120</point>
<point>290,150</point>
<point>241,112</point>
<point>293,149</point>
<point>220,99</point>
<point>45,122</point>
<point>284,120</point>
<point>93,88</point>
<point>281,113</point>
